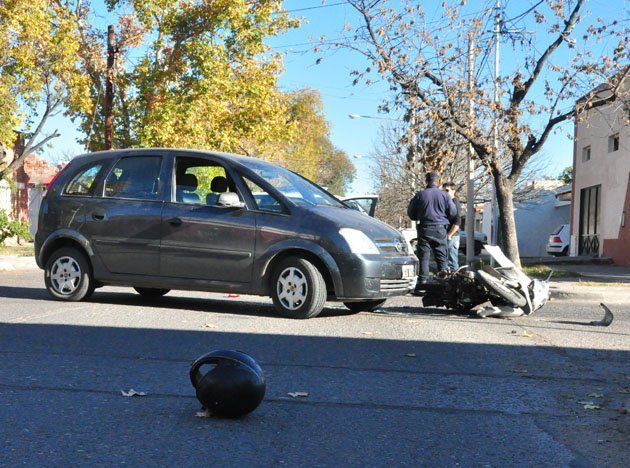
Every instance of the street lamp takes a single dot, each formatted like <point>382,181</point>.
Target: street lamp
<point>358,116</point>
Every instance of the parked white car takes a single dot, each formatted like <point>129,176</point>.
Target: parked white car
<point>558,244</point>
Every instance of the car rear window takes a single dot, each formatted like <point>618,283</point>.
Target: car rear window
<point>134,177</point>
<point>83,182</point>
<point>557,230</point>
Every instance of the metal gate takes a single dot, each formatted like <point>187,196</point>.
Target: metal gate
<point>589,220</point>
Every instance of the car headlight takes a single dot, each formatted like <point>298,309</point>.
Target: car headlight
<point>358,242</point>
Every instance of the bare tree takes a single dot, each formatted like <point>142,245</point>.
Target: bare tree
<point>424,63</point>
<point>398,176</point>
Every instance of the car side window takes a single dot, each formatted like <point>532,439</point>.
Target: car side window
<point>82,183</point>
<point>135,177</point>
<point>200,181</point>
<point>264,200</point>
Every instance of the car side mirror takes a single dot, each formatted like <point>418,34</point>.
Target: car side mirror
<point>230,200</point>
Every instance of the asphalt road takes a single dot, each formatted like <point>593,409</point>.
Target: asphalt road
<point>406,385</point>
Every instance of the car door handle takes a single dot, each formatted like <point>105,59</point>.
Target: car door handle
<point>175,221</point>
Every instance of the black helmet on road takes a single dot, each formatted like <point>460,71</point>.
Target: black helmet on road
<point>233,387</point>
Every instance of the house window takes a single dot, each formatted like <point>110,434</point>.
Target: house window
<point>586,153</point>
<point>613,143</point>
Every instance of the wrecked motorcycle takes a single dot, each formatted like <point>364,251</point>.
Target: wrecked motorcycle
<point>509,290</point>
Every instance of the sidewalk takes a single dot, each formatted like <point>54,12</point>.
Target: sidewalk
<point>598,272</point>
<point>16,262</point>
<point>578,291</point>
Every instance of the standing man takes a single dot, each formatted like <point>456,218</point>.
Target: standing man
<point>435,211</point>
<point>452,235</point>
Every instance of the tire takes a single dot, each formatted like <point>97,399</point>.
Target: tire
<point>68,275</point>
<point>151,293</point>
<point>499,289</point>
<point>298,289</point>
<point>365,306</point>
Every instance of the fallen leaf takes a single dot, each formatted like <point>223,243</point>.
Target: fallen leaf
<point>595,395</point>
<point>368,333</point>
<point>297,394</point>
<point>232,296</point>
<point>592,406</point>
<point>589,405</point>
<point>410,355</point>
<point>528,334</point>
<point>132,392</point>
<point>209,325</point>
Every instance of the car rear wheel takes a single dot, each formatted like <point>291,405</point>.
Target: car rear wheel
<point>298,289</point>
<point>365,306</point>
<point>68,275</point>
<point>151,293</point>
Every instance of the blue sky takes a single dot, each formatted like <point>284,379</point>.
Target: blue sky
<point>331,78</point>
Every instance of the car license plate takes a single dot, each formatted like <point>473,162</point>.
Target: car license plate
<point>408,271</point>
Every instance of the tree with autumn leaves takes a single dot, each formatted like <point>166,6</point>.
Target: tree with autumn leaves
<point>196,74</point>
<point>40,72</point>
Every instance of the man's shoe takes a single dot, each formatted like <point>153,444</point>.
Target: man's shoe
<point>420,289</point>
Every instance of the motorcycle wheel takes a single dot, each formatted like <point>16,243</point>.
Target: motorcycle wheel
<point>497,288</point>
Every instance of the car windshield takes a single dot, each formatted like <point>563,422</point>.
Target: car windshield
<point>299,190</point>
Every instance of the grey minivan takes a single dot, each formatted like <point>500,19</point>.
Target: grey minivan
<point>162,219</point>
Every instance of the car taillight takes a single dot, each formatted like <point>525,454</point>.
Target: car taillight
<point>557,240</point>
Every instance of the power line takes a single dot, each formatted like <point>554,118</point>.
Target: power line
<point>314,7</point>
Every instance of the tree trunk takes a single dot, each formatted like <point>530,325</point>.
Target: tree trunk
<point>507,227</point>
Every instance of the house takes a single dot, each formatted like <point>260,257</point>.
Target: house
<point>601,176</point>
<point>541,206</point>
<point>23,199</point>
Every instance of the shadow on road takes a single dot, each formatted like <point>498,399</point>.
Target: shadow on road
<point>227,305</point>
<point>371,401</point>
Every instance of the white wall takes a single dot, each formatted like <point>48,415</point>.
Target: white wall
<point>5,196</point>
<point>535,220</point>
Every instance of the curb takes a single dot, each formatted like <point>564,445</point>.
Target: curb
<point>613,294</point>
<point>12,263</point>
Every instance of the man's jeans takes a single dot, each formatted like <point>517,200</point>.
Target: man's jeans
<point>431,238</point>
<point>453,253</point>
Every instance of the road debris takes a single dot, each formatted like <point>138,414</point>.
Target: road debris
<point>595,395</point>
<point>589,405</point>
<point>608,317</point>
<point>298,394</point>
<point>132,393</point>
<point>410,355</point>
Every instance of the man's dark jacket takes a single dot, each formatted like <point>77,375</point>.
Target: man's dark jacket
<point>432,206</point>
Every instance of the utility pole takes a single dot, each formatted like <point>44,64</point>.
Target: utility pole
<point>495,121</point>
<point>109,88</point>
<point>470,189</point>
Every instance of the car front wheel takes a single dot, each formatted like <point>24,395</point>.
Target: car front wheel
<point>68,275</point>
<point>298,289</point>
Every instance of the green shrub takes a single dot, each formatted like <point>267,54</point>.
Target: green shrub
<point>11,228</point>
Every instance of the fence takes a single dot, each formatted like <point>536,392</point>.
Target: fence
<point>5,196</point>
